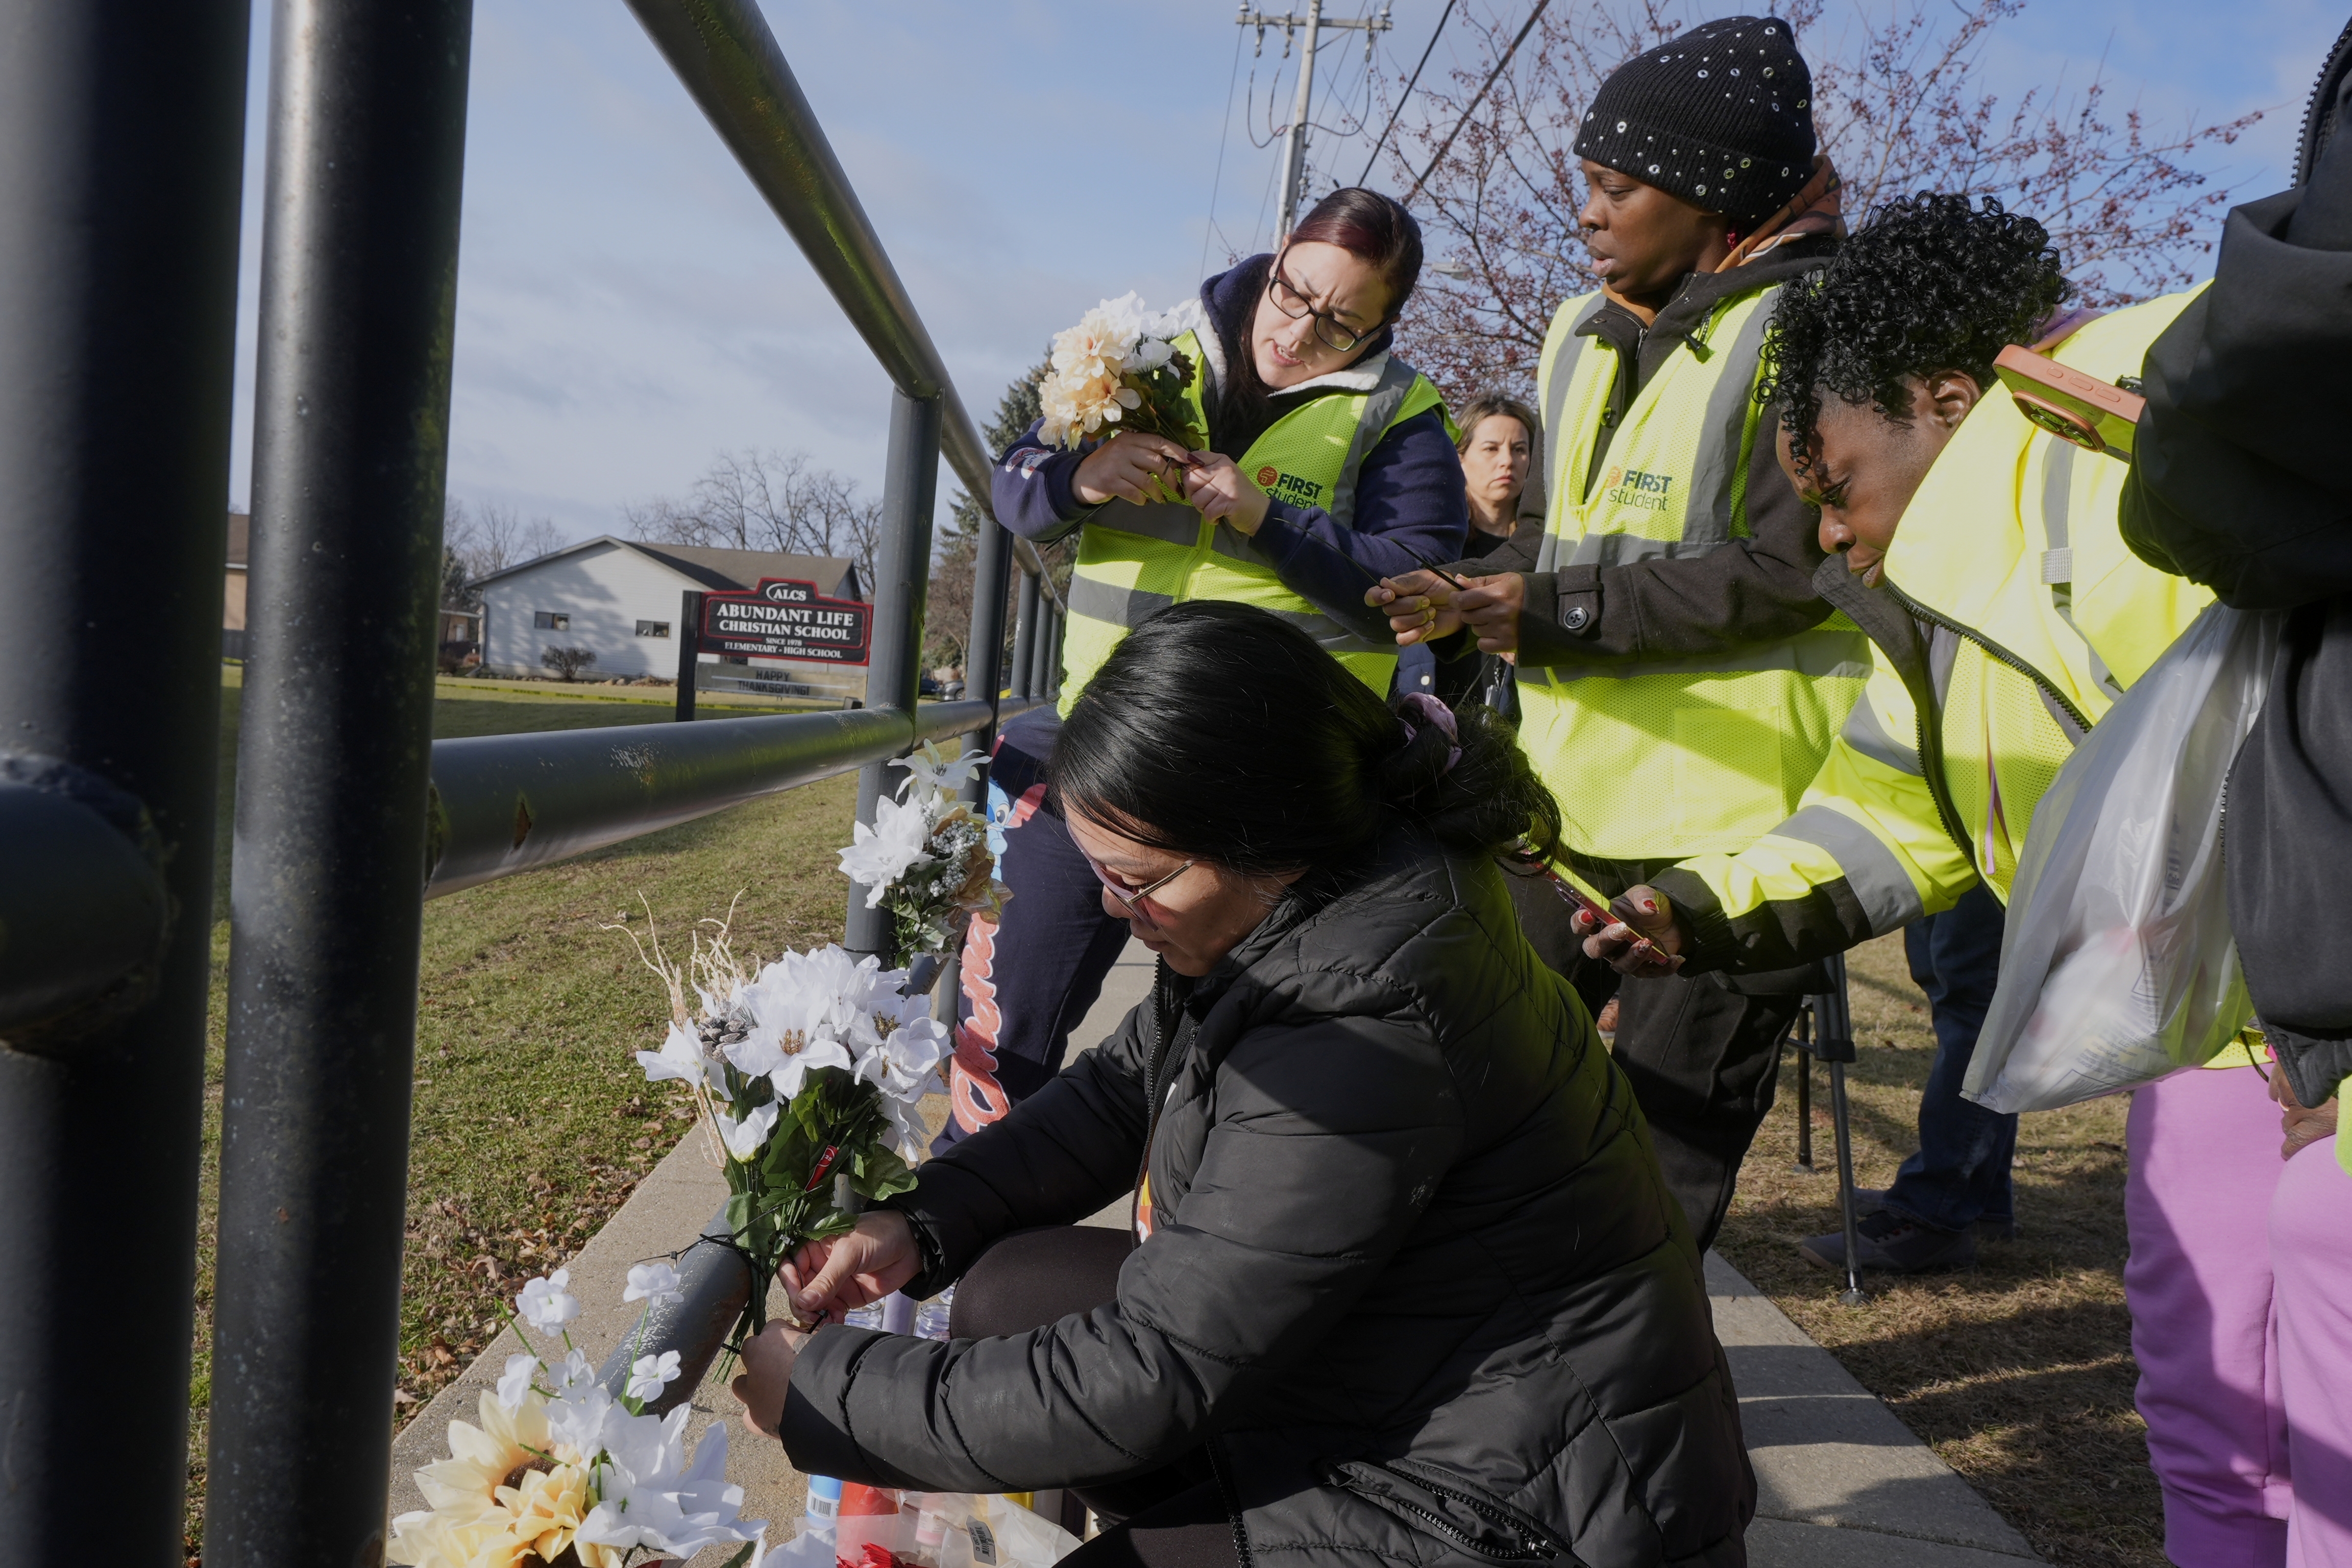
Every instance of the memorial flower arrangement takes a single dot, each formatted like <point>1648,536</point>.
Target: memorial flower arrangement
<point>805,1072</point>
<point>1119,366</point>
<point>926,859</point>
<point>561,1472</point>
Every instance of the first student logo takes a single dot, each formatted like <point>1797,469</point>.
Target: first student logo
<point>1638,487</point>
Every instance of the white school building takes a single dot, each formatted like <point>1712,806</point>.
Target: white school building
<point>620,599</point>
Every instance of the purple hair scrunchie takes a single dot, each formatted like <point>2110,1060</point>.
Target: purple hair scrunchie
<point>1435,712</point>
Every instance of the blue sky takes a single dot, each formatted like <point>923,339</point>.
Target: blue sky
<point>628,306</point>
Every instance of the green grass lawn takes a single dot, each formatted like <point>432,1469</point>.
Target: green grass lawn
<point>531,1121</point>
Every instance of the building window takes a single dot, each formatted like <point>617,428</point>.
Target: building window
<point>550,621</point>
<point>652,628</point>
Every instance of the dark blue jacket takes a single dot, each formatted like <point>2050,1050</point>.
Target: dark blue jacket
<point>1410,495</point>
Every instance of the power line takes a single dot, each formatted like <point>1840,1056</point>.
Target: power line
<point>1223,137</point>
<point>1471,108</point>
<point>1406,96</point>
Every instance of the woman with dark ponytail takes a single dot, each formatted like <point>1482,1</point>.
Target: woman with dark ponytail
<point>1403,1283</point>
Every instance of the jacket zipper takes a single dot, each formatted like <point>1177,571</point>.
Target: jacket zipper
<point>1151,1065</point>
<point>1936,617</point>
<point>1928,714</point>
<point>1535,1543</point>
<point>1232,1502</point>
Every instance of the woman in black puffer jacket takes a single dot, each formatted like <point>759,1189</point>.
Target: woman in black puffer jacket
<point>1409,1287</point>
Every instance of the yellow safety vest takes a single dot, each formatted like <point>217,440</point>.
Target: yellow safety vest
<point>1655,761</point>
<point>1135,561</point>
<point>2036,616</point>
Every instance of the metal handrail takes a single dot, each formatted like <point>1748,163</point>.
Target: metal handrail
<point>730,62</point>
<point>504,803</point>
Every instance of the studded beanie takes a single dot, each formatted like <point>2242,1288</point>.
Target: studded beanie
<point>1722,117</point>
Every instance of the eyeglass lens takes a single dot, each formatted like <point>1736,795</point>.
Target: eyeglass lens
<point>1327,329</point>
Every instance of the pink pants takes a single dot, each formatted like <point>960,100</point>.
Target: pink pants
<point>2240,1283</point>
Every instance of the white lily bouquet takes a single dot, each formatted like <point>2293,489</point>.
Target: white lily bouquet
<point>561,1472</point>
<point>1119,366</point>
<point>926,859</point>
<point>807,1072</point>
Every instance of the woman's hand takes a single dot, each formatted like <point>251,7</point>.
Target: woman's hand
<point>1641,911</point>
<point>1125,467</point>
<point>1491,610</point>
<point>1420,606</point>
<point>827,1278</point>
<point>1223,493</point>
<point>2303,1124</point>
<point>768,1359</point>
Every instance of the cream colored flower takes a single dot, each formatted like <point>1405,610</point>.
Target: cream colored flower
<point>437,1541</point>
<point>548,1509</point>
<point>465,1485</point>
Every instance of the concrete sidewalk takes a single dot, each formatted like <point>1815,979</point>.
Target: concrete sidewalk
<point>1841,1483</point>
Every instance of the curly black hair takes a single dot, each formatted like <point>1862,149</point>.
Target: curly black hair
<point>1928,283</point>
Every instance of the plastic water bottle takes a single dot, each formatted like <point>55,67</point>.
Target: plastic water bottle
<point>932,1316</point>
<point>821,1516</point>
<point>866,1317</point>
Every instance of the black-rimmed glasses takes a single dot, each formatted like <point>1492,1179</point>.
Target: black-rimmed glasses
<point>1330,330</point>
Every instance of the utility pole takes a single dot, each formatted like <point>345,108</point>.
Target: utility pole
<point>1294,142</point>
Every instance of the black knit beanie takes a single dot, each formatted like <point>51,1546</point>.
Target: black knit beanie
<point>1721,116</point>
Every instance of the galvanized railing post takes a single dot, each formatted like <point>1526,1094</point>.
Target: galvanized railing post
<point>689,651</point>
<point>983,658</point>
<point>910,482</point>
<point>120,154</point>
<point>1024,636</point>
<point>358,296</point>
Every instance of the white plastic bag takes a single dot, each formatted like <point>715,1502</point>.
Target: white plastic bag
<point>2117,965</point>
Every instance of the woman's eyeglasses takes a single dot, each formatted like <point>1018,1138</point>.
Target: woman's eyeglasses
<point>1328,329</point>
<point>1133,898</point>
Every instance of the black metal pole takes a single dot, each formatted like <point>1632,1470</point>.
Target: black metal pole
<point>689,651</point>
<point>1024,635</point>
<point>1053,654</point>
<point>1805,1110</point>
<point>1835,1023</point>
<point>910,482</point>
<point>351,447</point>
<point>983,658</point>
<point>121,156</point>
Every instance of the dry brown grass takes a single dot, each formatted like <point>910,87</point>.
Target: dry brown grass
<point>2020,1373</point>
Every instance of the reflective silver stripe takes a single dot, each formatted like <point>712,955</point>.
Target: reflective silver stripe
<point>1331,635</point>
<point>1099,601</point>
<point>1130,608</point>
<point>2057,495</point>
<point>1618,549</point>
<point>1726,421</point>
<point>1865,734</point>
<point>1817,655</point>
<point>1165,521</point>
<point>1563,376</point>
<point>1371,423</point>
<point>1235,545</point>
<point>1943,648</point>
<point>1871,869</point>
<point>2058,562</point>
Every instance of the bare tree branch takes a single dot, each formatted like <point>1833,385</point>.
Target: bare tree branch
<point>1900,103</point>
